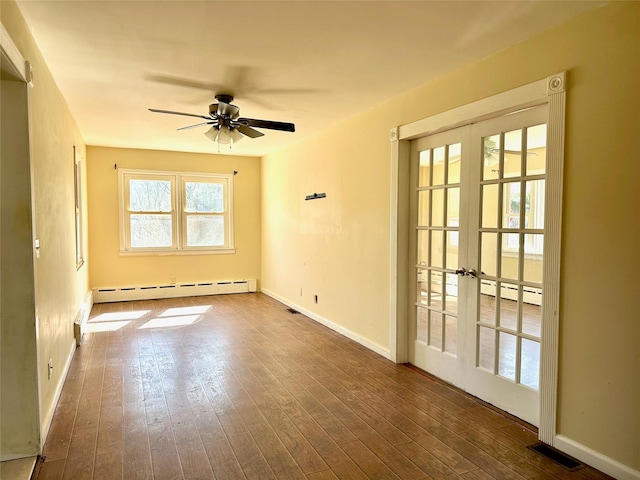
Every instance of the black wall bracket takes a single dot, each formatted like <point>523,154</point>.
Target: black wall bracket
<point>314,196</point>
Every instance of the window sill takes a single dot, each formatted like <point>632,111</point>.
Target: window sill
<point>164,253</point>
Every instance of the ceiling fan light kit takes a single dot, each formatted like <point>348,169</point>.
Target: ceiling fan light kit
<point>227,127</point>
<point>224,135</point>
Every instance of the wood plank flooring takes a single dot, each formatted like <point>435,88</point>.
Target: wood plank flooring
<point>237,387</point>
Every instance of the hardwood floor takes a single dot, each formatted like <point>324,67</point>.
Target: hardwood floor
<point>237,387</point>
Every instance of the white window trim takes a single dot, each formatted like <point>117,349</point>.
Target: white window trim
<point>177,211</point>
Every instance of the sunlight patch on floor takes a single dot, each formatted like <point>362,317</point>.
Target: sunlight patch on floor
<point>166,322</point>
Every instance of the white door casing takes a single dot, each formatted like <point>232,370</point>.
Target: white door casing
<point>549,91</point>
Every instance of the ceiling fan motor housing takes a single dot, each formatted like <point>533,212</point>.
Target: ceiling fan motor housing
<point>224,98</point>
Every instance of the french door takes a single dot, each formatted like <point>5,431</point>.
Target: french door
<point>478,221</point>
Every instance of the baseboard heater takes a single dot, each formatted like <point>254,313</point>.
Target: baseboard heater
<point>530,295</point>
<point>153,292</point>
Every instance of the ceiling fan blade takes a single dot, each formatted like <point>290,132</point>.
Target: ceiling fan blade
<point>252,122</point>
<point>197,125</point>
<point>249,132</point>
<point>182,82</point>
<point>155,110</point>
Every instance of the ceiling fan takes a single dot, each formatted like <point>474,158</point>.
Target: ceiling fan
<point>227,127</point>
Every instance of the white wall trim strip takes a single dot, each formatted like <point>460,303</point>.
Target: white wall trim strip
<point>550,334</point>
<point>596,459</point>
<point>333,326</point>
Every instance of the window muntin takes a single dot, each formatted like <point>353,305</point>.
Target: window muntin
<point>171,212</point>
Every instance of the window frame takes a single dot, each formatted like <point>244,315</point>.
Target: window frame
<point>177,212</point>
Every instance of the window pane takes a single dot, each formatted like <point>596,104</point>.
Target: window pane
<point>422,292</point>
<point>436,248</point>
<point>438,166</point>
<point>451,335</point>
<point>491,147</point>
<point>149,195</point>
<point>509,306</point>
<point>437,205</point>
<point>435,330</point>
<point>507,356</point>
<point>536,149</point>
<point>511,205</point>
<point>512,153</point>
<point>435,289</point>
<point>205,231</point>
<point>451,251</point>
<point>425,169</point>
<point>453,207</point>
<point>510,259</point>
<point>488,302</point>
<point>151,231</point>
<point>486,348</point>
<point>423,208</point>
<point>530,364</point>
<point>533,245</point>
<point>451,293</point>
<point>488,247</point>
<point>454,163</point>
<point>490,206</point>
<point>535,203</point>
<point>422,254</point>
<point>532,315</point>
<point>421,324</point>
<point>204,197</point>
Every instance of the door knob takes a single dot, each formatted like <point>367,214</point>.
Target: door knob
<point>472,273</point>
<point>461,271</point>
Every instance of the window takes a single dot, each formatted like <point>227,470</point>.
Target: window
<point>170,212</point>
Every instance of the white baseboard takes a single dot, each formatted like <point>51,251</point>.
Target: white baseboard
<point>385,352</point>
<point>595,459</point>
<point>48,417</point>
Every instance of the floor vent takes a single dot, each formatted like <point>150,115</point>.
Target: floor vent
<point>291,310</point>
<point>557,456</point>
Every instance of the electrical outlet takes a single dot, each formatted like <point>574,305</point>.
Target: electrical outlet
<point>300,291</point>
<point>50,365</point>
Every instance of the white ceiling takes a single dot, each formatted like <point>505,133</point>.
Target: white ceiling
<point>312,63</point>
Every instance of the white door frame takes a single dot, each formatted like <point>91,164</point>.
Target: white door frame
<point>551,90</point>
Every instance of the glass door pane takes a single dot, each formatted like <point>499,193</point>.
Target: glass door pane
<point>508,323</point>
<point>437,171</point>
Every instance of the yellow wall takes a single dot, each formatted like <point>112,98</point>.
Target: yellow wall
<point>338,247</point>
<point>109,269</point>
<point>60,289</point>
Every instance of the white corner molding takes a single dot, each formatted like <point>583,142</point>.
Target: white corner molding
<point>551,91</point>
